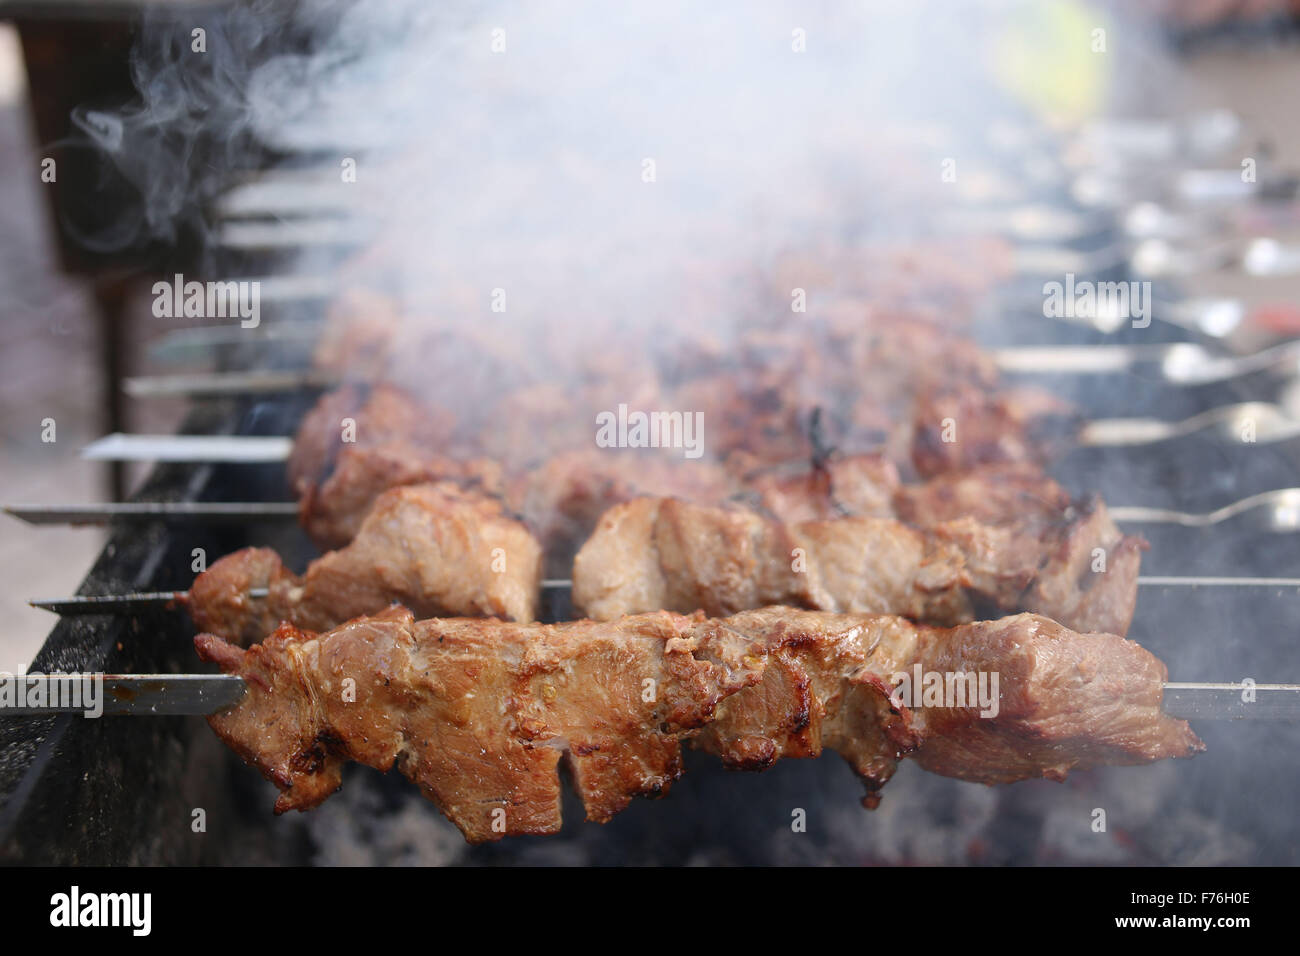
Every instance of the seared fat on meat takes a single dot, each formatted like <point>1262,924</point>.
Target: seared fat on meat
<point>480,714</point>
<point>434,548</point>
<point>655,553</point>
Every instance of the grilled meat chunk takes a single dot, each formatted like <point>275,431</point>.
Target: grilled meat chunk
<point>655,553</point>
<point>367,416</point>
<point>563,499</point>
<point>1077,566</point>
<point>662,553</point>
<point>757,406</point>
<point>990,494</point>
<point>434,548</point>
<point>960,426</point>
<point>332,511</point>
<point>480,714</point>
<point>861,485</point>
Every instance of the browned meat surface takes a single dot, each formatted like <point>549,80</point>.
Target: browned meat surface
<point>528,425</point>
<point>219,599</point>
<point>655,553</point>
<point>1074,564</point>
<point>332,512</point>
<point>879,378</point>
<point>380,415</point>
<point>480,714</point>
<point>1090,573</point>
<point>563,499</point>
<point>431,547</point>
<point>1068,701</point>
<point>961,426</point>
<point>991,494</point>
<point>320,436</point>
<point>862,485</point>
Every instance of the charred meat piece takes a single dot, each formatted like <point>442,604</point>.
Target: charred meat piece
<point>961,426</point>
<point>480,714</point>
<point>358,415</point>
<point>434,548</point>
<point>332,511</point>
<point>656,553</point>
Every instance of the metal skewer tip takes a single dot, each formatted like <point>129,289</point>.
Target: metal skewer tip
<point>1232,701</point>
<point>105,513</point>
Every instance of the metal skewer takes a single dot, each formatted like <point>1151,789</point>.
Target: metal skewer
<point>127,694</point>
<point>216,384</point>
<point>202,694</point>
<point>1178,363</point>
<point>147,600</point>
<point>135,601</point>
<point>106,512</point>
<point>1225,701</point>
<point>1246,422</point>
<point>1277,510</point>
<point>199,342</point>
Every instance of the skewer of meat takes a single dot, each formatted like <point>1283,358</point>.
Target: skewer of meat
<point>480,714</point>
<point>434,548</point>
<point>336,480</point>
<point>662,553</point>
<point>441,550</point>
